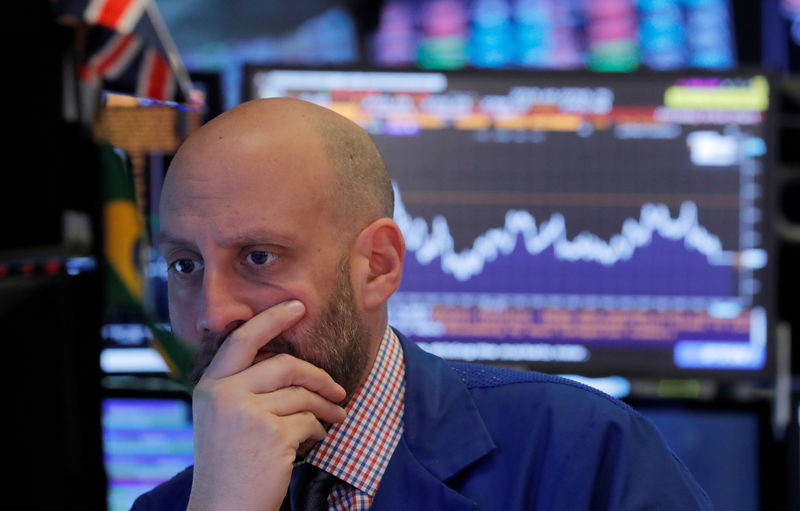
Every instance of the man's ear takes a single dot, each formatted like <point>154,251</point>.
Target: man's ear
<point>377,262</point>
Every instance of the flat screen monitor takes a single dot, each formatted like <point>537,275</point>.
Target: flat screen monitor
<point>588,223</point>
<point>726,448</point>
<point>606,35</point>
<point>147,439</point>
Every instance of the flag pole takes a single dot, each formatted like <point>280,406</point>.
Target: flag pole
<point>181,74</point>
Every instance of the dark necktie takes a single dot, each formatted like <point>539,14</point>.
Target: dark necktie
<point>309,488</point>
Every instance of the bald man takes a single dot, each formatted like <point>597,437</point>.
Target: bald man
<point>276,226</point>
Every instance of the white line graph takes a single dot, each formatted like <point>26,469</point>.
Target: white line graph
<point>428,243</point>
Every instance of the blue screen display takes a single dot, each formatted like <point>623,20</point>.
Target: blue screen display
<point>720,448</point>
<point>146,442</point>
<point>602,35</point>
<point>610,223</point>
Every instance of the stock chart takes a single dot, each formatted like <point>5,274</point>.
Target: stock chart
<point>614,222</point>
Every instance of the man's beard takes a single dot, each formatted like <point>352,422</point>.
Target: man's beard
<point>337,341</point>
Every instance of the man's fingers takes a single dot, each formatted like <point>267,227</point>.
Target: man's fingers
<point>286,371</point>
<point>304,427</point>
<point>293,400</point>
<point>240,347</point>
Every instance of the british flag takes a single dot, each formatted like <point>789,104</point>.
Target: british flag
<point>125,49</point>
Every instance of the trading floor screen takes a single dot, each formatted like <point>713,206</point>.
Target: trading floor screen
<point>602,223</point>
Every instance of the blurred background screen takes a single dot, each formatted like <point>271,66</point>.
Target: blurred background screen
<point>593,223</point>
<point>602,35</point>
<point>147,439</point>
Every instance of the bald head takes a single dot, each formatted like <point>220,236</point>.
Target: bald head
<point>353,180</point>
<point>359,168</point>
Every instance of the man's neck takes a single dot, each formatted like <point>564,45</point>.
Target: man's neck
<point>376,323</point>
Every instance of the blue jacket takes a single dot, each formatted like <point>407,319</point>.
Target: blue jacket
<point>479,437</point>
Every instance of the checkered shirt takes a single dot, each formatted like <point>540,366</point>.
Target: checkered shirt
<point>358,450</point>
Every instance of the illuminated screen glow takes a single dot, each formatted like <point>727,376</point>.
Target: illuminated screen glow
<point>146,442</point>
<point>610,223</point>
<point>601,35</point>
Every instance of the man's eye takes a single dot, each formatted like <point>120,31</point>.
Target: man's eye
<point>260,257</point>
<point>185,266</point>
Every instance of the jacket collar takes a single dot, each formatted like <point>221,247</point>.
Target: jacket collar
<point>443,434</point>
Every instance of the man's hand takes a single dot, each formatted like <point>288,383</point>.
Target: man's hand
<point>250,419</point>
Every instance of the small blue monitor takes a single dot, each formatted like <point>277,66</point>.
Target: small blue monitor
<point>147,440</point>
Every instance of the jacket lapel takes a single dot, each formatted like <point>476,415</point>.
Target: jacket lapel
<point>406,484</point>
<point>443,435</point>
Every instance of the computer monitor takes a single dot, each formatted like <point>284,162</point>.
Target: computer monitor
<point>590,223</point>
<point>603,35</point>
<point>147,438</point>
<point>725,445</point>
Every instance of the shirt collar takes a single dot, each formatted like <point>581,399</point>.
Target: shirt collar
<point>358,450</point>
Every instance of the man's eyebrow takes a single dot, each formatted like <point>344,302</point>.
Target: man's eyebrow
<point>234,240</point>
<point>264,237</point>
<point>166,238</point>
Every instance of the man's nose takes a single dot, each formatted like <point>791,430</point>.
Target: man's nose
<point>223,305</point>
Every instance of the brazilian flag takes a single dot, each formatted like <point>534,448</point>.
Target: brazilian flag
<point>124,243</point>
